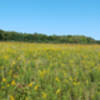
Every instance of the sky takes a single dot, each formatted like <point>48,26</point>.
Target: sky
<point>60,17</point>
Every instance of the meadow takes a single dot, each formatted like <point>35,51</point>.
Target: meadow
<point>33,71</point>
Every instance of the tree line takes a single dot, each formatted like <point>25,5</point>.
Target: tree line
<point>42,38</point>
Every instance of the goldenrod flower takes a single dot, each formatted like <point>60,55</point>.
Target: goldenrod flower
<point>2,87</point>
<point>6,57</point>
<point>36,87</point>
<point>57,79</point>
<point>8,85</point>
<point>13,83</point>
<point>44,95</point>
<point>12,98</point>
<point>58,91</point>
<point>74,83</point>
<point>4,80</point>
<point>13,63</point>
<point>30,84</point>
<point>43,73</point>
<point>26,98</point>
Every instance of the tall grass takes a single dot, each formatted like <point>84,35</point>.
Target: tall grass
<point>49,71</point>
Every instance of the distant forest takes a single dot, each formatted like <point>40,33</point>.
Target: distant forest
<point>42,38</point>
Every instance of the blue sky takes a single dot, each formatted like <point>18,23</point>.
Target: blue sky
<point>61,17</point>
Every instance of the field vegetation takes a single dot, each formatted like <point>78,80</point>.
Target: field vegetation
<point>31,71</point>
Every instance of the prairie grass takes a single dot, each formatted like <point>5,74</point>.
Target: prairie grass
<point>30,71</point>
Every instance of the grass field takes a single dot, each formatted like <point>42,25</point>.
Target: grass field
<point>49,71</point>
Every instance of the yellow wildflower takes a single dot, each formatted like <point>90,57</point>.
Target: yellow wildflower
<point>65,74</point>
<point>13,83</point>
<point>2,87</point>
<point>70,78</point>
<point>30,84</point>
<point>13,63</point>
<point>74,83</point>
<point>57,79</point>
<point>4,80</point>
<point>8,85</point>
<point>6,57</point>
<point>58,91</point>
<point>43,73</point>
<point>44,95</point>
<point>15,76</point>
<point>36,87</point>
<point>10,72</point>
<point>12,98</point>
<point>26,98</point>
